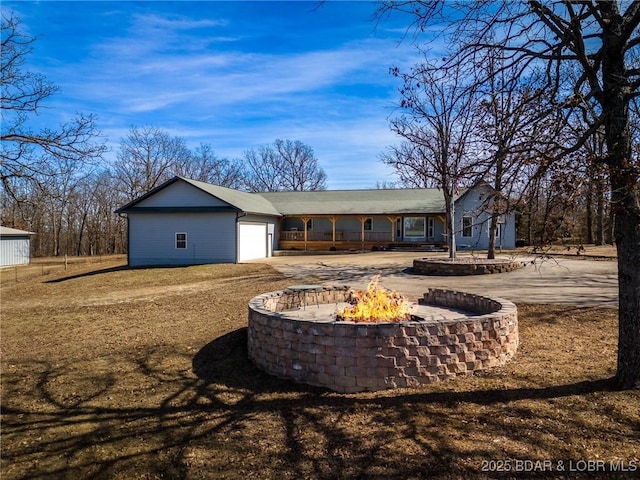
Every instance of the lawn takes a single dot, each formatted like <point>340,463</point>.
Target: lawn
<point>109,372</point>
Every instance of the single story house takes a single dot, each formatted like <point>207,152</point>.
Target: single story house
<point>185,221</point>
<point>15,247</point>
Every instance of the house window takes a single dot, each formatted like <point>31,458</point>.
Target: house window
<point>430,227</point>
<point>398,228</point>
<point>467,226</point>
<point>368,224</point>
<point>181,240</point>
<point>414,226</point>
<point>310,224</point>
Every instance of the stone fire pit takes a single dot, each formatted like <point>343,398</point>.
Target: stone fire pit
<point>451,333</point>
<point>464,266</point>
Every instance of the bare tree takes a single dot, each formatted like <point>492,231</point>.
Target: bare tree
<point>147,157</point>
<point>514,119</point>
<point>439,126</point>
<point>411,164</point>
<point>600,40</point>
<point>25,153</point>
<point>205,166</point>
<point>285,165</point>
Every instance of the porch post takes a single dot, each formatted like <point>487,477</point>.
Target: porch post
<point>393,221</point>
<point>333,230</point>
<point>304,224</point>
<point>362,222</point>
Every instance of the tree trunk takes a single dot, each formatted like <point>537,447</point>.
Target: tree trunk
<point>493,227</point>
<point>451,223</point>
<point>589,211</point>
<point>80,234</point>
<point>625,202</point>
<point>627,237</point>
<point>600,210</point>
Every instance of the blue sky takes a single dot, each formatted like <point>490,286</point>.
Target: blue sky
<point>236,75</point>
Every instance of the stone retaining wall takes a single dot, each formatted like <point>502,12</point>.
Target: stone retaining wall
<point>351,357</point>
<point>442,267</point>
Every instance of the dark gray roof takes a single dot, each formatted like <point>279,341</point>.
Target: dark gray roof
<point>357,202</point>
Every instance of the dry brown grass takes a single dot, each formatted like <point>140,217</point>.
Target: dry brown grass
<point>115,373</point>
<point>588,251</point>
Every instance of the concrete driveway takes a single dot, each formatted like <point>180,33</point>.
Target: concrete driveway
<point>556,280</point>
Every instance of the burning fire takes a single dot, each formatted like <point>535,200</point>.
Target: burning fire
<point>376,305</point>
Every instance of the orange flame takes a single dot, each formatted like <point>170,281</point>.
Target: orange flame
<point>376,305</point>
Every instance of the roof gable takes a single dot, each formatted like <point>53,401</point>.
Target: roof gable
<point>184,193</point>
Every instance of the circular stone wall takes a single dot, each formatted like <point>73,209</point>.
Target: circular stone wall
<point>464,266</point>
<point>351,357</point>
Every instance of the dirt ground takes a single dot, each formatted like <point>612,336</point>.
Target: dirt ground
<point>110,372</point>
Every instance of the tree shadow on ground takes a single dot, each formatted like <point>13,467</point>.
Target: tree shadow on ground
<point>225,361</point>
<point>101,271</point>
<point>232,420</point>
<point>120,268</point>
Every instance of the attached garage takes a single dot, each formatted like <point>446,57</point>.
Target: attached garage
<point>186,222</point>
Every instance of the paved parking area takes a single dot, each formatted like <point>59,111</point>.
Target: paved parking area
<point>558,280</point>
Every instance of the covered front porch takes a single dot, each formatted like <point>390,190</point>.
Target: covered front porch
<point>360,232</point>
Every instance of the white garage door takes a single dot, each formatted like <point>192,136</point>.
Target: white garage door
<point>253,241</point>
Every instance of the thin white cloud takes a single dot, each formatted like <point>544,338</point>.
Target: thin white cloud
<point>204,80</point>
<point>225,78</point>
<point>154,22</point>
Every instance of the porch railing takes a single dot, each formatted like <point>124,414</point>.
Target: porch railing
<point>341,236</point>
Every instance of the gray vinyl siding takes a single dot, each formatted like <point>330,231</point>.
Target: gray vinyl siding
<point>438,230</point>
<point>210,238</point>
<point>181,194</point>
<point>256,219</point>
<point>472,204</point>
<point>14,250</point>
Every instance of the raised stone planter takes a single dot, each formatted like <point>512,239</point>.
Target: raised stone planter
<point>464,266</point>
<point>351,357</point>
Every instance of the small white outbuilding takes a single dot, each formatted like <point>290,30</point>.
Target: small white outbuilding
<point>15,247</point>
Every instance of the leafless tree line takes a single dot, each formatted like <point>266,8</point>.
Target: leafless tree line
<point>72,211</point>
